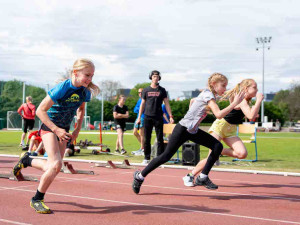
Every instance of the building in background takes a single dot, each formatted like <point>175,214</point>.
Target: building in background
<point>270,96</point>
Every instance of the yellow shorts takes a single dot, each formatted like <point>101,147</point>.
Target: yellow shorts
<point>223,128</point>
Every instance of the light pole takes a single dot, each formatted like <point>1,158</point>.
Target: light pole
<point>264,43</point>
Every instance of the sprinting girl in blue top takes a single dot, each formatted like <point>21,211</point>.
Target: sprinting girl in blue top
<point>56,112</point>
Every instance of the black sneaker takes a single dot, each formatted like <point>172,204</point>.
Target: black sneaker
<point>40,206</point>
<point>21,164</point>
<point>206,182</point>
<point>25,148</point>
<point>118,151</point>
<point>123,151</point>
<point>137,183</point>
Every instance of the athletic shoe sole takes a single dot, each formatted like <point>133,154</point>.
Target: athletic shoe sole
<point>187,185</point>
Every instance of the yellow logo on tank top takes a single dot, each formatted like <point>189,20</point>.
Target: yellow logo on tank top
<point>73,98</point>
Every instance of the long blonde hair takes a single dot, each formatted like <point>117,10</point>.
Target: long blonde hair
<point>80,64</point>
<point>240,86</point>
<point>214,78</point>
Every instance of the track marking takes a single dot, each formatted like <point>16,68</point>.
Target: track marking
<point>165,207</point>
<point>173,188</point>
<point>238,181</point>
<point>13,222</point>
<point>2,189</point>
<point>188,189</point>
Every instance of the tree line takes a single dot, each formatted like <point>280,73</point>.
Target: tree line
<point>284,107</point>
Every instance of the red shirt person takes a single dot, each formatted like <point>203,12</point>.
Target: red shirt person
<point>27,112</point>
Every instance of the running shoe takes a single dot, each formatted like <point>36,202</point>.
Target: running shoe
<point>135,152</point>
<point>25,148</point>
<point>117,151</point>
<point>123,151</point>
<point>137,183</point>
<point>145,162</point>
<point>140,152</point>
<point>40,206</point>
<point>188,180</point>
<point>206,182</point>
<point>21,164</point>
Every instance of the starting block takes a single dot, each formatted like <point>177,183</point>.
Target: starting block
<point>68,168</point>
<point>109,164</point>
<point>20,177</point>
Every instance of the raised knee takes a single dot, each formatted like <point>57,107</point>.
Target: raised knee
<point>242,155</point>
<point>218,148</point>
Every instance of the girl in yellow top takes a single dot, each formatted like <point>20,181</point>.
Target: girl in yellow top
<point>225,128</point>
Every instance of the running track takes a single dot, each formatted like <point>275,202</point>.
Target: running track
<point>107,198</point>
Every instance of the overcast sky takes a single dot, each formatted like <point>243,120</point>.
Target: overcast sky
<point>187,40</point>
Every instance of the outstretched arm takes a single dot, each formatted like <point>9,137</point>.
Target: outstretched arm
<point>222,113</point>
<point>251,112</point>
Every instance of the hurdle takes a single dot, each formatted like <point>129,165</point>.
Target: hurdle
<point>20,177</point>
<point>68,168</point>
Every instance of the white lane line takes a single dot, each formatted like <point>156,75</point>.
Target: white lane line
<point>189,189</point>
<point>239,181</point>
<point>107,172</point>
<point>166,207</point>
<point>13,222</point>
<point>175,188</point>
<point>2,189</point>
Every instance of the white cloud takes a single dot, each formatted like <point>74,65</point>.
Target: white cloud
<point>185,40</point>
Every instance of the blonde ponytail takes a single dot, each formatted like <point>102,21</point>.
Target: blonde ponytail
<point>240,86</point>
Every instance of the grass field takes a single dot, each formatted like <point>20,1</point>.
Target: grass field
<point>276,151</point>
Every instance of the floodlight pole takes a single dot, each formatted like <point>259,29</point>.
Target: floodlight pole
<point>263,41</point>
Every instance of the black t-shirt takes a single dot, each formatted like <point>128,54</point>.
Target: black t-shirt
<point>235,117</point>
<point>120,110</point>
<point>154,98</point>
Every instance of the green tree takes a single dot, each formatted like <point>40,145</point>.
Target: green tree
<point>281,96</point>
<point>12,96</point>
<point>179,109</point>
<point>94,109</point>
<point>288,102</point>
<point>294,102</point>
<point>37,94</point>
<point>108,110</point>
<point>134,90</point>
<point>274,112</point>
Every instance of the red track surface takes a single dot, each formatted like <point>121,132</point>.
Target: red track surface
<point>107,198</point>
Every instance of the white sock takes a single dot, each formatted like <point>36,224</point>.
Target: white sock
<point>23,143</point>
<point>203,175</point>
<point>140,177</point>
